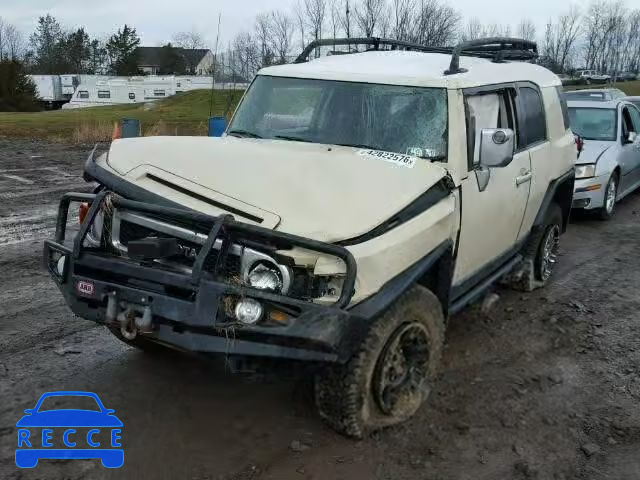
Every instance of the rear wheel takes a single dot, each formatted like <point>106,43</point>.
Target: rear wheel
<point>391,375</point>
<point>544,245</point>
<point>610,196</point>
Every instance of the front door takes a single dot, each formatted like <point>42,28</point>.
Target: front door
<point>492,214</point>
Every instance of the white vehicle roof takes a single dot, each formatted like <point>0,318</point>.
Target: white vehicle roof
<point>414,69</point>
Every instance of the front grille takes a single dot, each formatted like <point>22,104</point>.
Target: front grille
<point>130,231</point>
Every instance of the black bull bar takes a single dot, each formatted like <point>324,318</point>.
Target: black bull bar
<point>316,332</point>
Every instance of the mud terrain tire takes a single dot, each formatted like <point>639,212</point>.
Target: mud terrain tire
<point>403,345</point>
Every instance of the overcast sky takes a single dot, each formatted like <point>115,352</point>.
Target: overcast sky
<point>156,21</point>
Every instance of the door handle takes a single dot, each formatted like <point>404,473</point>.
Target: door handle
<point>524,178</point>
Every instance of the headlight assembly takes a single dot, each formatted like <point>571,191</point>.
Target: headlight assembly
<point>264,278</point>
<point>585,171</point>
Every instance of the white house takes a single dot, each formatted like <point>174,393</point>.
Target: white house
<point>199,61</point>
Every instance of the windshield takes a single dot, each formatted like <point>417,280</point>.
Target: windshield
<point>593,123</point>
<point>408,120</point>
<point>69,402</point>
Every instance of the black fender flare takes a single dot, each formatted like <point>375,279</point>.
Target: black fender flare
<point>559,191</point>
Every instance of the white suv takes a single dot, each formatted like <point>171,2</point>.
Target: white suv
<point>355,202</point>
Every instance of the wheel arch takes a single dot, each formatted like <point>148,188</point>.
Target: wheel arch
<point>559,192</point>
<point>434,271</point>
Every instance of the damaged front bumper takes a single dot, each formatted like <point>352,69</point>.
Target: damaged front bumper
<point>186,310</point>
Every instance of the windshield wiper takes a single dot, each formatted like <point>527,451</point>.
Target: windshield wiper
<point>293,139</point>
<point>243,133</point>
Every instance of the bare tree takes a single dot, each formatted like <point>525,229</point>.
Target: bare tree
<point>436,24</point>
<point>402,16</point>
<point>190,40</point>
<point>526,29</point>
<point>282,31</point>
<point>561,37</point>
<point>263,37</point>
<point>299,11</point>
<point>334,17</point>
<point>368,12</point>
<point>246,56</point>
<point>345,18</point>
<point>315,11</point>
<point>15,44</point>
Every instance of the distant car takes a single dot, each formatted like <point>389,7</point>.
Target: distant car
<point>626,76</point>
<point>595,95</point>
<point>592,76</point>
<point>67,419</point>
<point>608,167</point>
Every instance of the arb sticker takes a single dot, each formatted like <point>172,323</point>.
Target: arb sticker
<point>85,288</point>
<point>397,158</point>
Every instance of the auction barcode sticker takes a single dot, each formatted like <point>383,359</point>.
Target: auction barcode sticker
<point>397,158</point>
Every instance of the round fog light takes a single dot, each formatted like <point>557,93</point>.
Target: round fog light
<point>248,311</point>
<point>60,265</point>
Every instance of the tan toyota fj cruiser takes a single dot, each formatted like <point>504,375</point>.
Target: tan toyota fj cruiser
<point>354,203</point>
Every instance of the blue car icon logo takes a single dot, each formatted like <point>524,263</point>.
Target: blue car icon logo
<point>68,433</point>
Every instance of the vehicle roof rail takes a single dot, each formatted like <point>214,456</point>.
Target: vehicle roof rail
<point>501,48</point>
<point>373,42</point>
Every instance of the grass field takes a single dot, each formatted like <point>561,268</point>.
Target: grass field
<point>182,114</point>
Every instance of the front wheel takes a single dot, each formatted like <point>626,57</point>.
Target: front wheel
<point>610,196</point>
<point>391,374</point>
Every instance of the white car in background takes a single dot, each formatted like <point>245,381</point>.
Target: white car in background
<point>592,76</point>
<point>608,168</point>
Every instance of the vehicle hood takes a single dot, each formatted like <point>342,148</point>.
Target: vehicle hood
<point>593,150</point>
<point>323,192</point>
<point>69,418</point>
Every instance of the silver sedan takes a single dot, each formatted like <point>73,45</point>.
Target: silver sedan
<point>608,167</point>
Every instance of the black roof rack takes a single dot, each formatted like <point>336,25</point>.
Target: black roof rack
<point>373,42</point>
<point>499,49</point>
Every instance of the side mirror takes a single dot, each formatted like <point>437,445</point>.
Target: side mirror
<point>496,147</point>
<point>631,137</point>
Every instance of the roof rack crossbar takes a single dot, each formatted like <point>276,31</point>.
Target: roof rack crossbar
<point>373,42</point>
<point>501,48</point>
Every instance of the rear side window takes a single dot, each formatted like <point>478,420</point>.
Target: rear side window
<point>563,106</point>
<point>533,128</point>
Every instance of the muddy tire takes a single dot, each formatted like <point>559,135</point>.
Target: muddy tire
<point>610,197</point>
<point>391,374</point>
<point>543,245</point>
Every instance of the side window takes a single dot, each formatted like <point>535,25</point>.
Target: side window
<point>532,120</point>
<point>488,110</point>
<point>635,118</point>
<point>83,94</point>
<point>563,106</point>
<point>132,96</point>
<point>104,94</point>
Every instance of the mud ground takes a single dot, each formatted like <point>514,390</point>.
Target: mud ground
<point>544,386</point>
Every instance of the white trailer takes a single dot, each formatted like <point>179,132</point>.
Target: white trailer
<point>49,90</point>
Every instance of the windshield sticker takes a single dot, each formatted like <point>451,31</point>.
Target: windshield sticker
<point>397,158</point>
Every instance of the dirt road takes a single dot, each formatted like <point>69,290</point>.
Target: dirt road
<point>546,386</point>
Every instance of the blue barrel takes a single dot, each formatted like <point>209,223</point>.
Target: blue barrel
<point>130,128</point>
<point>217,126</point>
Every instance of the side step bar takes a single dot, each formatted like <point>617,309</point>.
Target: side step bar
<point>476,292</point>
